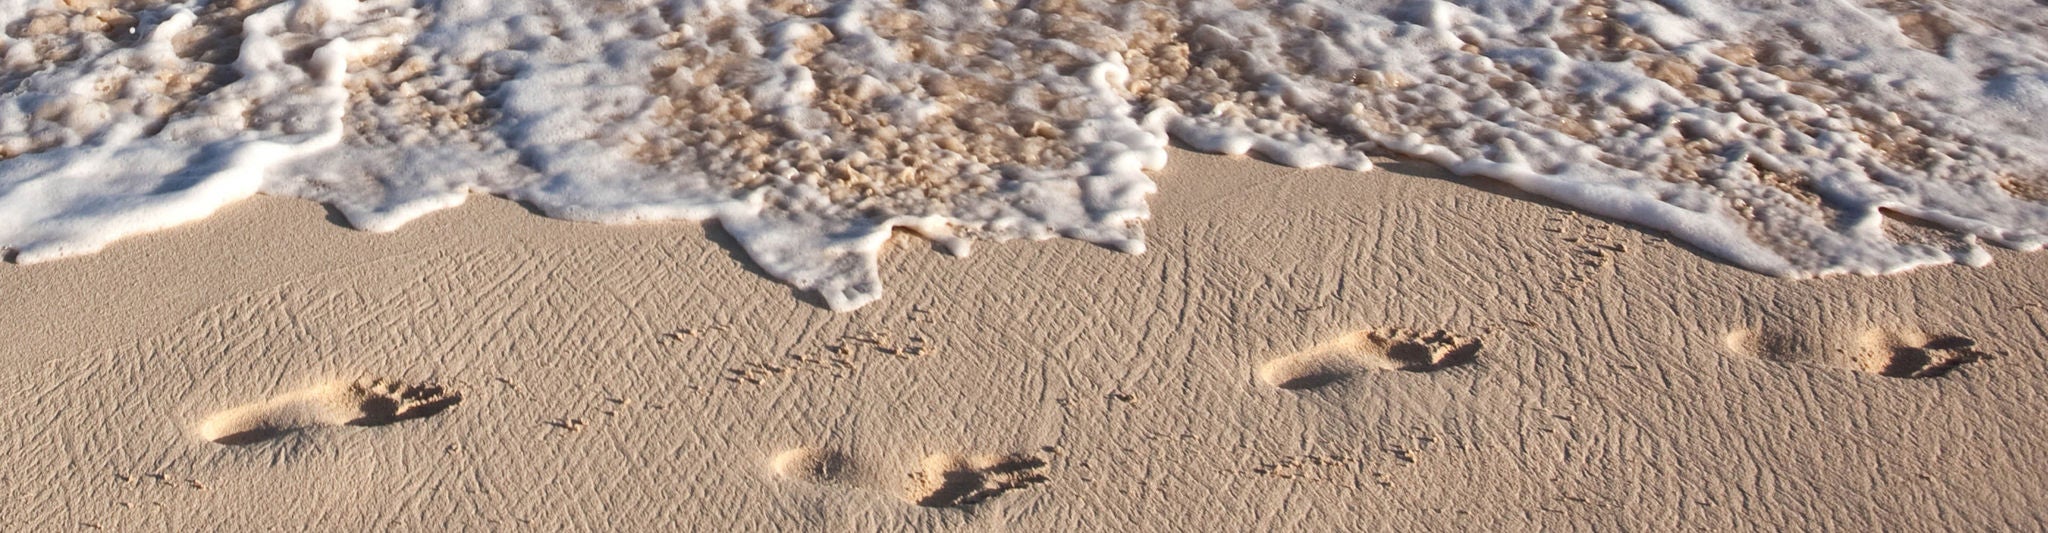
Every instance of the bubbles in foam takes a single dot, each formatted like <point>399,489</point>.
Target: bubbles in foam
<point>1773,134</point>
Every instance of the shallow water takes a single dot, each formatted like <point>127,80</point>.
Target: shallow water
<point>1792,138</point>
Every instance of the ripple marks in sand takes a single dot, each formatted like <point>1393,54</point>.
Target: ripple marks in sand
<point>1369,349</point>
<point>949,480</point>
<point>359,403</point>
<point>1898,353</point>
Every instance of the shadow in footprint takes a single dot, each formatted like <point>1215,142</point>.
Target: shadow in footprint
<point>952,481</point>
<point>418,401</point>
<point>1436,350</point>
<point>1933,358</point>
<point>252,436</point>
<point>1306,380</point>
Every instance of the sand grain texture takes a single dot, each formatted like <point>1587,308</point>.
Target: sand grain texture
<point>642,377</point>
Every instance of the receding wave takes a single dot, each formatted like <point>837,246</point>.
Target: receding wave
<point>1787,137</point>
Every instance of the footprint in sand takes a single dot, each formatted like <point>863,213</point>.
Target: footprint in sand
<point>942,480</point>
<point>359,403</point>
<point>1365,350</point>
<point>1913,354</point>
<point>1891,352</point>
<point>949,480</point>
<point>813,465</point>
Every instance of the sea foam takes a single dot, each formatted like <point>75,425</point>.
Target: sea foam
<point>1792,138</point>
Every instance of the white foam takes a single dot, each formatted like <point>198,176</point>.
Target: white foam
<point>1775,135</point>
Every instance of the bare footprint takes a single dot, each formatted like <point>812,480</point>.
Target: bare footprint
<point>1370,349</point>
<point>1783,345</point>
<point>1912,354</point>
<point>943,480</point>
<point>1891,352</point>
<point>949,480</point>
<point>359,403</point>
<point>813,465</point>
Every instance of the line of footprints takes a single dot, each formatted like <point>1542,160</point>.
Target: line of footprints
<point>1899,353</point>
<point>1890,352</point>
<point>376,402</point>
<point>953,480</point>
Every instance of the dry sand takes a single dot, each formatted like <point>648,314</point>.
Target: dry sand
<point>547,375</point>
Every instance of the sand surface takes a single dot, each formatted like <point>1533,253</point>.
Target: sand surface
<point>549,375</point>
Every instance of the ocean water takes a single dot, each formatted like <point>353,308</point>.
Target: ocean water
<point>1794,138</point>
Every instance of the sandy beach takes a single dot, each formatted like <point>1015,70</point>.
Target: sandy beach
<point>1339,351</point>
